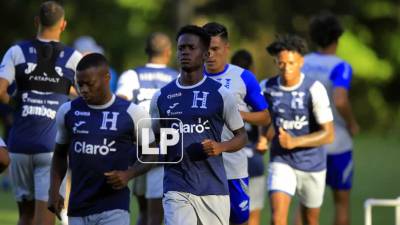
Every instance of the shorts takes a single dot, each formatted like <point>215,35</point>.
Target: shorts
<point>30,175</point>
<point>257,190</point>
<point>339,173</point>
<point>154,183</point>
<point>182,208</point>
<point>240,200</point>
<point>309,186</point>
<point>111,217</point>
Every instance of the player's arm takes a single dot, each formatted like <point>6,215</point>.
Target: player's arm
<point>127,83</point>
<point>59,163</point>
<point>119,179</point>
<point>323,115</point>
<point>234,122</point>
<point>255,99</point>
<point>7,72</point>
<point>4,158</point>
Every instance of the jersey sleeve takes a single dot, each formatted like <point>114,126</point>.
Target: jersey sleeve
<point>13,57</point>
<point>155,113</point>
<point>127,83</point>
<point>320,102</point>
<point>2,144</point>
<point>141,120</point>
<point>74,60</point>
<point>231,114</point>
<point>254,97</point>
<point>341,75</point>
<point>62,136</point>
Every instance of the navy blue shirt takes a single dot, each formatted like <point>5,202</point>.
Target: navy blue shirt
<point>206,109</point>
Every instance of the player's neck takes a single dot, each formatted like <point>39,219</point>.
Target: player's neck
<point>157,60</point>
<point>190,78</point>
<point>49,35</point>
<point>216,70</point>
<point>329,50</point>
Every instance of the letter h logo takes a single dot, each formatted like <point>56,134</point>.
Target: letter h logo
<point>203,99</point>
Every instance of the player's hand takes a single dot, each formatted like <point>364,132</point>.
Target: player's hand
<point>262,145</point>
<point>55,204</point>
<point>354,129</point>
<point>212,148</point>
<point>117,179</point>
<point>285,139</point>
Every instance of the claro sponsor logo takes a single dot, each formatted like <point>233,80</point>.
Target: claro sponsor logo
<point>82,147</point>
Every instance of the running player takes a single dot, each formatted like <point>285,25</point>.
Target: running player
<point>139,85</point>
<point>96,135</point>
<point>196,188</point>
<point>43,70</point>
<point>335,74</point>
<point>302,119</point>
<point>243,84</point>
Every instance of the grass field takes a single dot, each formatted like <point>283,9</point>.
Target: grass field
<point>377,175</point>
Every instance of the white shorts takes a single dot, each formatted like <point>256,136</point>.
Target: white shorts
<point>154,183</point>
<point>257,190</point>
<point>111,217</point>
<point>182,208</point>
<point>30,175</point>
<point>309,186</point>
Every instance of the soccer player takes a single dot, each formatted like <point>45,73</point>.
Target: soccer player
<point>139,85</point>
<point>335,74</point>
<point>96,135</point>
<point>4,158</point>
<point>302,119</point>
<point>243,84</point>
<point>43,70</point>
<point>256,167</point>
<point>196,189</point>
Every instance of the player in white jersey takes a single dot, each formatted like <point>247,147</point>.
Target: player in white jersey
<point>335,74</point>
<point>139,85</point>
<point>243,84</point>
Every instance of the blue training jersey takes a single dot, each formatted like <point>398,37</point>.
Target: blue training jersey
<point>43,85</point>
<point>246,90</point>
<point>299,110</point>
<point>332,72</point>
<point>206,110</point>
<point>101,139</point>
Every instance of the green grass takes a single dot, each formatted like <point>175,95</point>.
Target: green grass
<point>377,175</point>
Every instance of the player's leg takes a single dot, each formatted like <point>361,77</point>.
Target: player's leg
<point>178,210</point>
<point>257,190</point>
<point>339,178</point>
<point>310,189</point>
<point>239,201</point>
<point>138,190</point>
<point>21,172</point>
<point>282,184</point>
<point>154,193</point>
<point>41,170</point>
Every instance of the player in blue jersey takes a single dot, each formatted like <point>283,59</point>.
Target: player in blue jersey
<point>303,121</point>
<point>139,85</point>
<point>335,74</point>
<point>243,84</point>
<point>4,158</point>
<point>196,188</point>
<point>96,135</point>
<point>43,70</point>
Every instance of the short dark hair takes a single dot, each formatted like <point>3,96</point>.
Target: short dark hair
<point>289,42</point>
<point>50,13</point>
<point>198,31</point>
<point>216,29</point>
<point>92,60</point>
<point>325,29</point>
<point>242,58</point>
<point>156,44</point>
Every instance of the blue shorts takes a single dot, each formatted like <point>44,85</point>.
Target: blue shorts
<point>239,197</point>
<point>339,174</point>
